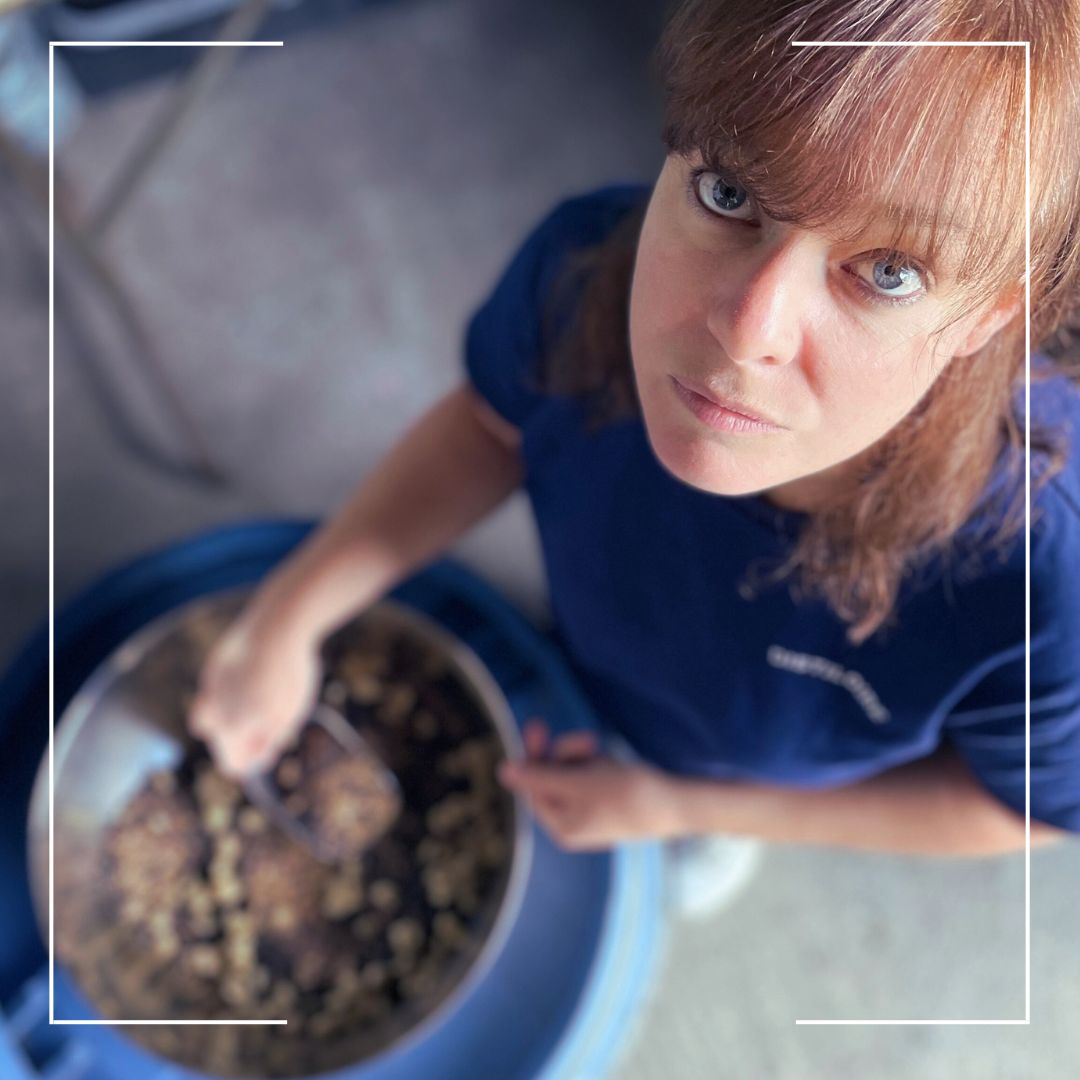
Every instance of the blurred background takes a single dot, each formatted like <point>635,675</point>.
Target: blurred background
<point>264,274</point>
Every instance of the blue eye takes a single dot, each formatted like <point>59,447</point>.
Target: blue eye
<point>893,279</point>
<point>722,197</point>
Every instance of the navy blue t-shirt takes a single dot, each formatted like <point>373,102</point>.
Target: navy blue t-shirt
<point>644,576</point>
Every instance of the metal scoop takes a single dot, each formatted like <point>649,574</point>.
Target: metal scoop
<point>329,791</point>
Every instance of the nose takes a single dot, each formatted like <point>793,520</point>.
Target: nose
<point>757,313</point>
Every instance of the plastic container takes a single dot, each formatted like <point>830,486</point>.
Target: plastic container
<point>558,1002</point>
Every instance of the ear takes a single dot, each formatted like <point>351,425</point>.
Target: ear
<point>981,328</point>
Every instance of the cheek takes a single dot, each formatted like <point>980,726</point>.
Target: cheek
<point>667,305</point>
<point>867,382</point>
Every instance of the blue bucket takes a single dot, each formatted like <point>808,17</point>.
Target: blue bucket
<point>557,1003</point>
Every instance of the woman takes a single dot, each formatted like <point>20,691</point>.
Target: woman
<point>769,417</point>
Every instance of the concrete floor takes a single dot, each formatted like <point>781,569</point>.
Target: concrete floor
<point>307,256</point>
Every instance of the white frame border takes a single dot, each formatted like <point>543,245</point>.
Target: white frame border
<point>1026,45</point>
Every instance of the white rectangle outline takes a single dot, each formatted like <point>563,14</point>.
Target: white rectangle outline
<point>1026,45</point>
<point>53,45</point>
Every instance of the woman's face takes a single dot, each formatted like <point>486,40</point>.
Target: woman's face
<point>766,355</point>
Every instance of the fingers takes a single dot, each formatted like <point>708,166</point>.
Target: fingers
<point>536,739</point>
<point>536,778</point>
<point>575,746</point>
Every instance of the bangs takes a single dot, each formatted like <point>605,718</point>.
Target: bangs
<point>925,146</point>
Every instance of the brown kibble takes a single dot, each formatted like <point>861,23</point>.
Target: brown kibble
<point>228,847</point>
<point>367,927</point>
<point>342,898</point>
<point>495,850</point>
<point>366,689</point>
<point>166,946</point>
<point>425,726</point>
<point>384,895</point>
<point>373,975</point>
<point>163,782</point>
<point>204,960</point>
<point>397,703</point>
<point>216,817</point>
<point>309,970</point>
<point>449,929</point>
<point>439,886</point>
<point>419,984</point>
<point>237,990</point>
<point>283,918</point>
<point>251,821</point>
<point>227,891</point>
<point>405,935</point>
<point>320,1025</point>
<point>289,773</point>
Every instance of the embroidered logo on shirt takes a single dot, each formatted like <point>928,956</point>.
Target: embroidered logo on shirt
<point>819,667</point>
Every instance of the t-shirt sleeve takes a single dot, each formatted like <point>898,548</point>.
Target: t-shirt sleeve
<point>987,725</point>
<point>503,336</point>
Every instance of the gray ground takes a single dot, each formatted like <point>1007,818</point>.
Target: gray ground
<point>307,256</point>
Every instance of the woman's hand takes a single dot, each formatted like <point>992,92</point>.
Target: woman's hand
<point>257,687</point>
<point>586,801</point>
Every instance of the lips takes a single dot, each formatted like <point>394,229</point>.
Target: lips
<point>721,413</point>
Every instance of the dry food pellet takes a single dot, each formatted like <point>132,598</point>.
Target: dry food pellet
<point>228,847</point>
<point>166,946</point>
<point>429,849</point>
<point>283,918</point>
<point>495,850</point>
<point>216,817</point>
<point>448,928</point>
<point>227,891</point>
<point>373,974</point>
<point>384,895</point>
<point>309,970</point>
<point>251,821</point>
<point>439,886</point>
<point>405,935</point>
<point>236,990</point>
<point>397,704</point>
<point>289,773</point>
<point>342,898</point>
<point>418,984</point>
<point>366,688</point>
<point>321,1024</point>
<point>425,725</point>
<point>203,960</point>
<point>367,926</point>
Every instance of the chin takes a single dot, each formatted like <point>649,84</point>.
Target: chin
<point>700,462</point>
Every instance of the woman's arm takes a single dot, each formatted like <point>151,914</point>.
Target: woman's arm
<point>455,465</point>
<point>258,683</point>
<point>933,806</point>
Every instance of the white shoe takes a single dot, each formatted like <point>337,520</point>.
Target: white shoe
<point>705,873</point>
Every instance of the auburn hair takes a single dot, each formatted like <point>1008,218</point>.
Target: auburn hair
<point>868,125</point>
